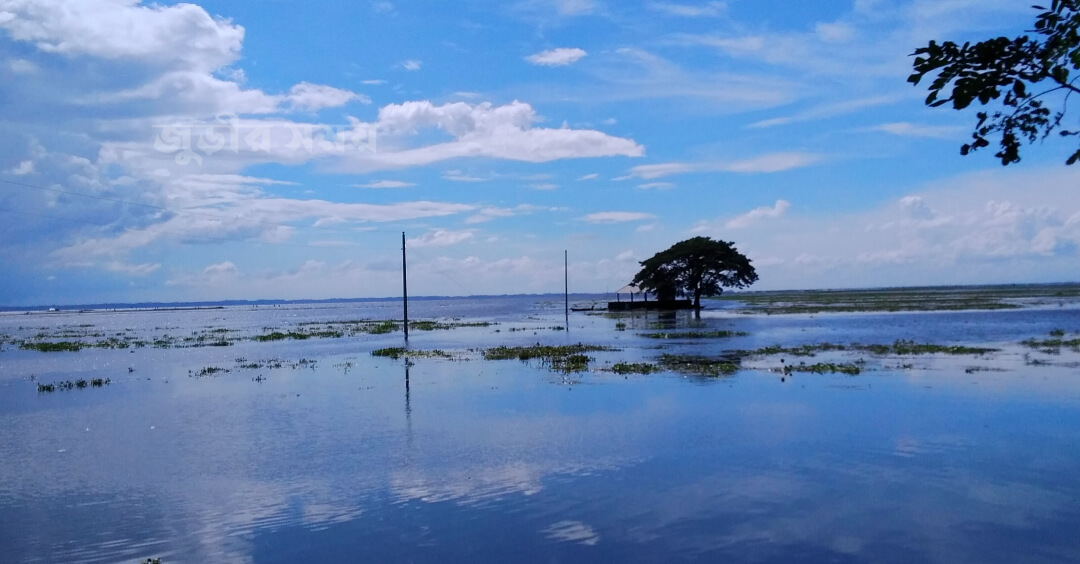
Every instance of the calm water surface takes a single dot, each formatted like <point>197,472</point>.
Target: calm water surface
<point>362,459</point>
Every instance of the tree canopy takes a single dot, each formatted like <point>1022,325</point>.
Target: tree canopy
<point>1029,78</point>
<point>696,267</point>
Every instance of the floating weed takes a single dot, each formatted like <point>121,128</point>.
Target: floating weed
<point>401,352</point>
<point>912,348</point>
<point>571,363</point>
<point>563,358</point>
<point>694,335</point>
<point>539,351</point>
<point>700,365</point>
<point>1057,333</point>
<point>620,326</point>
<point>1054,345</point>
<point>207,371</point>
<point>73,385</point>
<point>62,346</point>
<point>634,368</point>
<point>851,369</point>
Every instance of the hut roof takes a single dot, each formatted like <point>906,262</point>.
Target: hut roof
<point>628,289</point>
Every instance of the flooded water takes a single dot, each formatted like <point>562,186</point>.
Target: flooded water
<point>330,454</point>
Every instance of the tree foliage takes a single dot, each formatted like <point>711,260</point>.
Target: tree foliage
<point>1031,77</point>
<point>695,267</point>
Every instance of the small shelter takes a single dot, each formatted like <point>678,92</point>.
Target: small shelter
<point>632,291</point>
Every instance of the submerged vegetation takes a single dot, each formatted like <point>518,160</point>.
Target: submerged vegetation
<point>700,365</point>
<point>401,352</point>
<point>1054,344</point>
<point>74,339</point>
<point>852,369</point>
<point>73,385</point>
<point>634,368</point>
<point>901,299</point>
<point>563,358</point>
<point>695,335</point>
<point>899,347</point>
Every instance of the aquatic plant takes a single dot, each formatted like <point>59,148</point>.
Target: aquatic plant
<point>634,368</point>
<point>72,385</point>
<point>700,365</point>
<point>571,363</point>
<point>539,351</point>
<point>620,326</point>
<point>207,371</point>
<point>720,334</point>
<point>823,368</point>
<point>401,352</point>
<point>62,346</point>
<point>903,347</point>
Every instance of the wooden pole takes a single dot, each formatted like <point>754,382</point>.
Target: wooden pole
<point>404,288</point>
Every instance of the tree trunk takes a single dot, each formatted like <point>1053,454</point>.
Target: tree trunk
<point>697,305</point>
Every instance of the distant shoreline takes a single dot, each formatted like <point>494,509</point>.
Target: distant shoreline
<point>600,296</point>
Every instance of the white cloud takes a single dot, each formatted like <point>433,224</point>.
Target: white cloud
<point>656,186</point>
<point>411,65</point>
<point>592,176</point>
<point>763,164</point>
<point>179,37</point>
<point>752,216</point>
<point>22,66</point>
<point>385,184</point>
<point>373,82</point>
<point>23,168</point>
<point>314,97</point>
<point>617,217</point>
<point>829,110</point>
<point>705,9</point>
<point>575,7</point>
<point>837,32</point>
<point>133,269</point>
<point>441,238</point>
<point>544,186</point>
<point>651,171</point>
<point>556,57</point>
<point>906,129</point>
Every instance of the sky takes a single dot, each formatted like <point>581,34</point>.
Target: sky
<point>279,149</point>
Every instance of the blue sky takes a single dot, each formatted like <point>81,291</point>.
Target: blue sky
<point>277,149</point>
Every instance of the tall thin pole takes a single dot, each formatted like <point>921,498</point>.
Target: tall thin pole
<point>404,287</point>
<point>566,289</point>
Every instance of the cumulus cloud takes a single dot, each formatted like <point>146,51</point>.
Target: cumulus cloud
<point>752,216</point>
<point>314,97</point>
<point>558,57</point>
<point>182,37</point>
<point>617,217</point>
<point>411,65</point>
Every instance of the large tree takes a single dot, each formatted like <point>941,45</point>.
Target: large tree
<point>1028,78</point>
<point>696,267</point>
